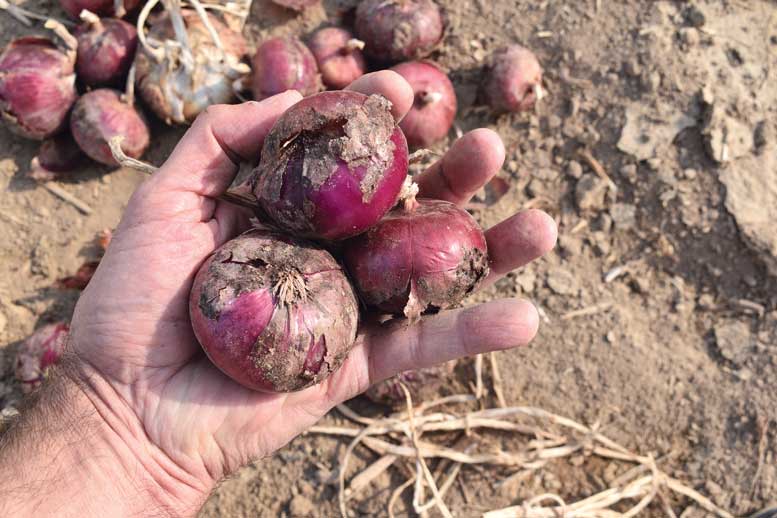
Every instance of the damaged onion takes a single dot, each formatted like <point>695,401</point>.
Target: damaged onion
<point>38,352</point>
<point>102,114</point>
<point>106,49</point>
<point>434,108</point>
<point>513,83</point>
<point>282,64</point>
<point>37,86</point>
<point>397,30</point>
<point>99,7</point>
<point>338,55</point>
<point>274,313</point>
<point>427,254</point>
<point>57,155</point>
<point>332,165</point>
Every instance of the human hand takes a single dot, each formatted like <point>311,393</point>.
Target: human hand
<point>140,365</point>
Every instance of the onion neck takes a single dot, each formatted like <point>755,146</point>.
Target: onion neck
<point>352,45</point>
<point>427,98</point>
<point>91,19</point>
<point>408,194</point>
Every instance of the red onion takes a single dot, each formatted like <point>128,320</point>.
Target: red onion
<point>57,155</point>
<point>282,64</point>
<point>332,165</point>
<point>397,30</point>
<point>430,254</point>
<point>513,82</point>
<point>274,313</point>
<point>297,5</point>
<point>38,352</point>
<point>431,116</point>
<point>338,55</point>
<point>37,86</point>
<point>106,49</point>
<point>99,7</point>
<point>101,115</point>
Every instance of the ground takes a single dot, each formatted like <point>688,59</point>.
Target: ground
<point>672,260</point>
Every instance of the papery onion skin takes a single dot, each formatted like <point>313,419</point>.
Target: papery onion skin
<point>38,352</point>
<point>105,51</point>
<point>434,108</point>
<point>398,30</point>
<point>282,64</point>
<point>512,81</point>
<point>428,257</point>
<point>338,55</point>
<point>263,337</point>
<point>332,165</point>
<point>37,87</point>
<point>98,7</point>
<point>102,114</point>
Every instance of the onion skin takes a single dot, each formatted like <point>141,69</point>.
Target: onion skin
<point>38,352</point>
<point>98,7</point>
<point>434,108</point>
<point>296,5</point>
<point>282,64</point>
<point>338,55</point>
<point>332,165</point>
<point>398,30</point>
<point>106,50</point>
<point>57,155</point>
<point>431,255</point>
<point>37,87</point>
<point>263,337</point>
<point>100,115</point>
<point>511,82</point>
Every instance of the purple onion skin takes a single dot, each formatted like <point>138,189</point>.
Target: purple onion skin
<point>257,334</point>
<point>429,256</point>
<point>56,155</point>
<point>398,30</point>
<point>296,5</point>
<point>100,115</point>
<point>340,64</point>
<point>105,51</point>
<point>332,165</point>
<point>282,64</point>
<point>98,7</point>
<point>38,352</point>
<point>37,87</point>
<point>430,118</point>
<point>511,81</point>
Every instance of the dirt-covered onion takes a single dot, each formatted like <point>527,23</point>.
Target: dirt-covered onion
<point>99,7</point>
<point>398,30</point>
<point>37,86</point>
<point>177,93</point>
<point>332,165</point>
<point>56,155</point>
<point>513,83</point>
<point>106,49</point>
<point>102,114</point>
<point>282,64</point>
<point>338,55</point>
<point>434,108</point>
<point>423,255</point>
<point>38,352</point>
<point>274,313</point>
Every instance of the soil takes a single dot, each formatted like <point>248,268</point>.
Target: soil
<point>673,258</point>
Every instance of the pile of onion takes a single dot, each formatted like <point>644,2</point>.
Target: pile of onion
<point>38,353</point>
<point>338,55</point>
<point>282,64</point>
<point>274,313</point>
<point>513,83</point>
<point>106,49</point>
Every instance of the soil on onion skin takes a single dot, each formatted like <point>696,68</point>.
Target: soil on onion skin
<point>680,362</point>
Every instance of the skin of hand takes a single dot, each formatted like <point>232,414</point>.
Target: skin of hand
<point>144,422</point>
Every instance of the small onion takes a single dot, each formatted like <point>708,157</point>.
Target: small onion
<point>423,255</point>
<point>100,115</point>
<point>332,165</point>
<point>282,64</point>
<point>57,155</point>
<point>338,55</point>
<point>297,5</point>
<point>274,313</point>
<point>423,385</point>
<point>513,82</point>
<point>99,7</point>
<point>106,49</point>
<point>434,109</point>
<point>38,352</point>
<point>37,87</point>
<point>397,30</point>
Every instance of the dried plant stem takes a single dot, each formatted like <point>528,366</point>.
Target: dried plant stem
<point>397,493</point>
<point>479,392</point>
<point>24,15</point>
<point>58,191</point>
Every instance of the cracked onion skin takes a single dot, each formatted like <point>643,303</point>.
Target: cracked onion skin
<point>338,55</point>
<point>102,114</point>
<point>424,256</point>
<point>282,64</point>
<point>511,82</point>
<point>398,30</point>
<point>332,165</point>
<point>106,50</point>
<point>434,108</point>
<point>98,7</point>
<point>274,313</point>
<point>37,87</point>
